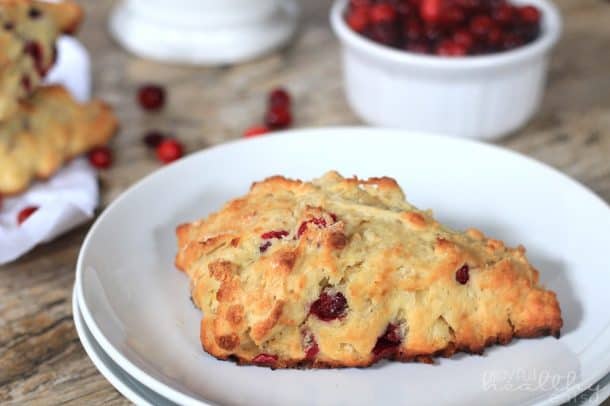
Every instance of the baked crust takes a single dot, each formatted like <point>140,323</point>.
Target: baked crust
<point>394,264</point>
<point>28,33</point>
<point>48,130</point>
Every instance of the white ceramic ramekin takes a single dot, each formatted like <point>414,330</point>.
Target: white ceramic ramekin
<point>205,32</point>
<point>482,97</point>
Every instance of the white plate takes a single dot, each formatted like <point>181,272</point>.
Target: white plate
<point>137,305</point>
<point>123,382</point>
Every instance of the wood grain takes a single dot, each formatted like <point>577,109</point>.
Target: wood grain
<point>41,360</point>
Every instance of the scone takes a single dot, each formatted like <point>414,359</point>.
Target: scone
<point>49,129</point>
<point>28,33</point>
<point>344,272</point>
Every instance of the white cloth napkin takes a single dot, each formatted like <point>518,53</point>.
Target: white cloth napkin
<point>70,197</point>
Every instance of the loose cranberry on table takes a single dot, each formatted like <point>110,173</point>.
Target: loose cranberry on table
<point>279,98</point>
<point>448,28</point>
<point>169,150</point>
<point>25,213</point>
<point>100,157</point>
<point>151,97</point>
<point>278,114</point>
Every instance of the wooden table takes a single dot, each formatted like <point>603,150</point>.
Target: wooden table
<point>41,359</point>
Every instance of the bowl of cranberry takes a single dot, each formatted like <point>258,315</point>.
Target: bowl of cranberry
<point>471,68</point>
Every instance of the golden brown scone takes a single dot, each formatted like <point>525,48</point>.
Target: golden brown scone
<point>343,272</point>
<point>28,33</point>
<point>48,130</point>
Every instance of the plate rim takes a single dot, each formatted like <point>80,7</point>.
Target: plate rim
<point>102,368</point>
<point>341,131</point>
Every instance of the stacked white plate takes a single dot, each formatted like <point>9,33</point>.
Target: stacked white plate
<point>135,319</point>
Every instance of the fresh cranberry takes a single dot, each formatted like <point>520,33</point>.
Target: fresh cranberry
<point>153,138</point>
<point>463,38</point>
<point>480,25</point>
<point>279,98</point>
<point>450,48</point>
<point>34,13</point>
<point>265,359</point>
<point>504,14</point>
<point>169,150</point>
<point>453,17</point>
<point>382,13</point>
<point>25,214</point>
<point>430,10</point>
<point>463,274</point>
<point>255,131</point>
<point>329,306</point>
<point>100,157</point>
<point>278,118</point>
<point>529,14</point>
<point>358,18</point>
<point>264,246</point>
<point>360,3</point>
<point>279,234</point>
<point>388,342</point>
<point>34,49</point>
<point>151,97</point>
<point>494,38</point>
<point>413,30</point>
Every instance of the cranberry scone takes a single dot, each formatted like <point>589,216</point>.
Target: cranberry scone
<point>342,272</point>
<point>28,33</point>
<point>47,130</point>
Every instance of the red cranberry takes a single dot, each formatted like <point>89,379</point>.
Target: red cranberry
<point>265,359</point>
<point>382,13</point>
<point>169,150</point>
<point>25,214</point>
<point>463,38</point>
<point>480,25</point>
<point>278,118</point>
<point>388,342</point>
<point>279,98</point>
<point>279,234</point>
<point>430,10</point>
<point>358,18</point>
<point>151,97</point>
<point>153,138</point>
<point>504,14</point>
<point>453,17</point>
<point>529,14</point>
<point>329,306</point>
<point>450,48</point>
<point>463,274</point>
<point>413,30</point>
<point>255,131</point>
<point>34,49</point>
<point>264,246</point>
<point>100,157</point>
<point>494,38</point>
